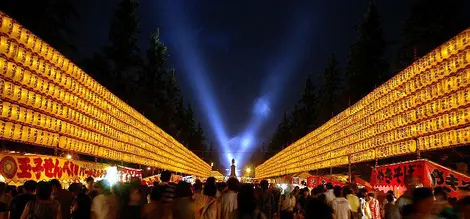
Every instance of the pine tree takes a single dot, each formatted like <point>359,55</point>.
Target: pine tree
<point>123,51</point>
<point>307,109</point>
<point>431,23</point>
<point>331,89</point>
<point>366,66</point>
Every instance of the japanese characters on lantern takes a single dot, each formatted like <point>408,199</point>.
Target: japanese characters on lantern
<point>47,100</point>
<point>424,107</point>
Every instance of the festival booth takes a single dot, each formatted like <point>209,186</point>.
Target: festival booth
<point>156,178</point>
<point>314,181</point>
<point>427,173</point>
<point>17,168</point>
<point>126,174</point>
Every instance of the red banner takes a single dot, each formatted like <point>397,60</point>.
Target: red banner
<point>17,168</point>
<point>126,173</point>
<point>425,172</point>
<point>314,181</point>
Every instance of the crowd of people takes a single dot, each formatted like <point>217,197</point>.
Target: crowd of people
<point>221,200</point>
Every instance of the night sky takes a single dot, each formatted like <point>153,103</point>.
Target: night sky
<point>243,50</point>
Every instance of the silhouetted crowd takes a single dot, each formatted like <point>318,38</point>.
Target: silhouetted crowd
<point>227,200</point>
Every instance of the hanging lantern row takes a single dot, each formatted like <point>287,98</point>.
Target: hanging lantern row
<point>45,93</point>
<point>430,96</point>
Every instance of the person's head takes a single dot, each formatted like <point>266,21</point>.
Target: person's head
<point>209,188</point>
<point>329,186</point>
<point>135,195</point>
<point>183,189</point>
<point>56,186</point>
<point>29,186</point>
<point>347,190</point>
<point>318,209</point>
<point>370,196</point>
<point>3,187</point>
<point>361,193</point>
<point>75,188</point>
<point>165,176</point>
<point>232,184</point>
<point>221,186</point>
<point>305,192</point>
<point>321,188</point>
<point>296,189</point>
<point>157,193</point>
<point>440,193</point>
<point>197,186</point>
<point>422,200</point>
<point>103,187</point>
<point>264,184</point>
<point>89,182</point>
<point>390,192</point>
<point>411,183</point>
<point>246,200</point>
<point>337,191</point>
<point>390,198</point>
<point>20,190</point>
<point>44,190</point>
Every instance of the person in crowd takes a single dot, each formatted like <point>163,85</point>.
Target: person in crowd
<point>304,197</point>
<point>318,209</point>
<point>157,208</point>
<point>221,188</point>
<point>64,197</point>
<point>184,207</point>
<point>18,203</point>
<point>442,207</point>
<point>374,206</point>
<point>5,194</point>
<point>247,204</point>
<point>329,194</point>
<point>340,205</point>
<point>423,201</point>
<point>81,206</point>
<point>3,204</point>
<point>287,204</point>
<point>44,207</point>
<point>353,201</point>
<point>266,203</point>
<point>169,187</point>
<point>197,188</point>
<point>389,209</point>
<point>464,207</point>
<point>406,198</point>
<point>20,190</point>
<point>106,204</point>
<point>364,212</point>
<point>207,205</point>
<point>228,202</point>
<point>133,203</point>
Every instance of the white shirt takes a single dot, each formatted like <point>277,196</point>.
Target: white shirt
<point>341,208</point>
<point>228,204</point>
<point>104,207</point>
<point>288,203</point>
<point>330,196</point>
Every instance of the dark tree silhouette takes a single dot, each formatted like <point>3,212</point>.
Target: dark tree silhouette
<point>366,67</point>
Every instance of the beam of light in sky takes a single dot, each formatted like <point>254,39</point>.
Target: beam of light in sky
<point>193,64</point>
<point>290,57</point>
<point>287,61</point>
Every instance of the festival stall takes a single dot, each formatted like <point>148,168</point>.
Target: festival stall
<point>314,181</point>
<point>126,174</point>
<point>16,168</point>
<point>424,172</point>
<point>156,178</point>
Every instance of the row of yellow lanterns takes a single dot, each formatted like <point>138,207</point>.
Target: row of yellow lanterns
<point>455,63</point>
<point>39,84</point>
<point>36,65</point>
